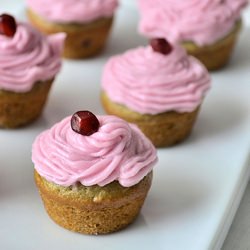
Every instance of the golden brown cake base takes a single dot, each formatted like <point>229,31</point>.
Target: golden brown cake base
<point>94,209</point>
<point>18,109</point>
<point>164,129</point>
<point>82,41</point>
<point>217,55</point>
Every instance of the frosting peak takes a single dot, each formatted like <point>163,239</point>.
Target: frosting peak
<point>80,11</point>
<point>117,151</point>
<point>150,83</point>
<point>28,57</point>
<point>203,22</point>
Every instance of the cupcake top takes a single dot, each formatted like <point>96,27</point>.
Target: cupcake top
<point>28,57</point>
<point>79,11</point>
<point>150,82</point>
<point>116,151</point>
<point>203,22</point>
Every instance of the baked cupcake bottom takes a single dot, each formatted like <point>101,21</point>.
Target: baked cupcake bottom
<point>217,55</point>
<point>82,41</point>
<point>164,129</point>
<point>18,109</point>
<point>94,209</point>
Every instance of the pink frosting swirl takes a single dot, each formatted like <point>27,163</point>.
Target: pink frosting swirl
<point>117,151</point>
<point>80,11</point>
<point>28,57</point>
<point>150,83</point>
<point>203,22</point>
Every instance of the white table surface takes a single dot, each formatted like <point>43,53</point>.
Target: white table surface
<point>197,185</point>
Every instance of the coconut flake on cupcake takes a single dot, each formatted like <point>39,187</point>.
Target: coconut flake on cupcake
<point>159,87</point>
<point>29,62</point>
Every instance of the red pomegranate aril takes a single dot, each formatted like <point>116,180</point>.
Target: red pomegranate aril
<point>7,25</point>
<point>84,123</point>
<point>161,45</point>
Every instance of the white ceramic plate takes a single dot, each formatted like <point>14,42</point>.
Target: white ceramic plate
<point>197,185</point>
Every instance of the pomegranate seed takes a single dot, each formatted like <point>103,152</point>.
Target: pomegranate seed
<point>161,45</point>
<point>7,25</point>
<point>84,123</point>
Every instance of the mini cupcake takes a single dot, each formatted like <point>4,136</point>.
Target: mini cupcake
<point>207,29</point>
<point>86,23</point>
<point>159,87</point>
<point>29,63</point>
<point>93,173</point>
